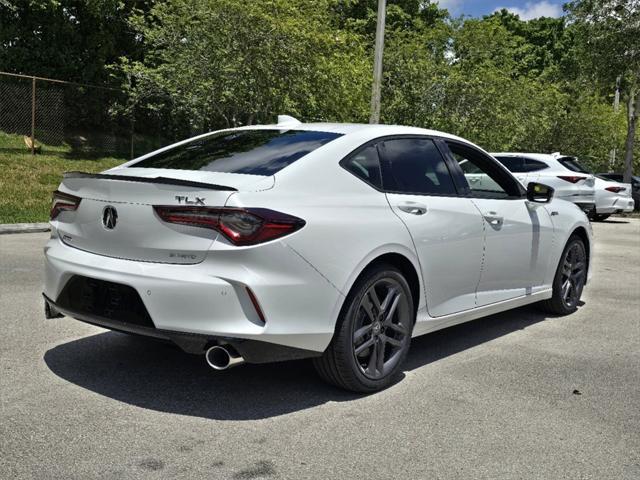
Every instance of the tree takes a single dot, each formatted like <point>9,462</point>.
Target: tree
<point>222,63</point>
<point>71,40</point>
<point>608,34</point>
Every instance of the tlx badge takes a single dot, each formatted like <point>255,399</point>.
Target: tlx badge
<point>188,201</point>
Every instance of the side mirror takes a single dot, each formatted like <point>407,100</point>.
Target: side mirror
<point>539,193</point>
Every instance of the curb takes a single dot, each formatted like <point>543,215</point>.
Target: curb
<point>24,228</point>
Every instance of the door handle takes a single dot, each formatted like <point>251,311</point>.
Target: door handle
<point>493,219</point>
<point>413,208</point>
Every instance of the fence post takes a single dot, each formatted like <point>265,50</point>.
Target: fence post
<point>33,116</point>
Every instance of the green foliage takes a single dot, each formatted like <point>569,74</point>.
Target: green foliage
<point>70,40</point>
<point>607,47</point>
<point>230,62</point>
<point>590,128</point>
<point>608,38</point>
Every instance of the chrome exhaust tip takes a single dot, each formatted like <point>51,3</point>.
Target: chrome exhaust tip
<point>220,358</point>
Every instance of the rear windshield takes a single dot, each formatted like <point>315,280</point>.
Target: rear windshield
<point>572,164</point>
<point>253,152</point>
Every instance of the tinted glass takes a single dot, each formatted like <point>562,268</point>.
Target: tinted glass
<point>572,164</point>
<point>612,176</point>
<point>534,165</point>
<point>365,164</point>
<point>254,152</point>
<point>414,165</point>
<point>513,164</point>
<point>521,165</point>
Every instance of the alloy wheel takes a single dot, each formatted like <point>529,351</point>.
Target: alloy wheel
<point>382,328</point>
<point>573,275</point>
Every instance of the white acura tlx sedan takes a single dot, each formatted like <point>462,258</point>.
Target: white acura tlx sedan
<point>327,241</point>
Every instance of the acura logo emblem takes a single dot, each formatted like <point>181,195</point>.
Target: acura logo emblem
<point>109,217</point>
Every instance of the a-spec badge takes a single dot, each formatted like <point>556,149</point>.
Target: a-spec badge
<point>188,201</point>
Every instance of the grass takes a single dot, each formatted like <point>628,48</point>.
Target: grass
<point>26,181</point>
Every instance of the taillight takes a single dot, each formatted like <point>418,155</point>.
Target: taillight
<point>62,202</point>
<point>615,189</point>
<point>570,178</point>
<point>241,226</point>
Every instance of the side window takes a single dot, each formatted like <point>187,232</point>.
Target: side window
<point>415,165</point>
<point>521,165</point>
<point>483,175</point>
<point>535,165</point>
<point>365,164</point>
<point>513,164</point>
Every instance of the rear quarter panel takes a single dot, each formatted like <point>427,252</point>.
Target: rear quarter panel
<point>348,222</point>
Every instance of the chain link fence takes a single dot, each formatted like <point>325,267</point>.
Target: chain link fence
<point>72,119</point>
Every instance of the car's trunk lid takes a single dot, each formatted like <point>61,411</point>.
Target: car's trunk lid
<point>137,233</point>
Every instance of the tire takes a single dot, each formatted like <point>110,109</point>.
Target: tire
<point>600,217</point>
<point>572,268</point>
<point>373,333</point>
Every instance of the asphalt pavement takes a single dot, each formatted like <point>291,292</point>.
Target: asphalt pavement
<point>519,395</point>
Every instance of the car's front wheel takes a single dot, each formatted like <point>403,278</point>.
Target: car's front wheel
<point>373,333</point>
<point>570,278</point>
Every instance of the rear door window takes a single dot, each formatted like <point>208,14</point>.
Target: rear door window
<point>534,165</point>
<point>253,152</point>
<point>513,164</point>
<point>415,166</point>
<point>521,164</point>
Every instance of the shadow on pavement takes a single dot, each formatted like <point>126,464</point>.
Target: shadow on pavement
<point>614,221</point>
<point>161,377</point>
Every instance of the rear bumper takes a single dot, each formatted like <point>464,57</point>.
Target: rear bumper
<point>252,351</point>
<point>209,300</point>
<point>617,205</point>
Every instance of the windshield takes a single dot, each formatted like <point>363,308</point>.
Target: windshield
<point>253,152</point>
<point>572,164</point>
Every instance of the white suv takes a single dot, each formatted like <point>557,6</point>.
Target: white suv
<point>570,180</point>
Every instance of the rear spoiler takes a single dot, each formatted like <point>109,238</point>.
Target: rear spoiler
<point>157,180</point>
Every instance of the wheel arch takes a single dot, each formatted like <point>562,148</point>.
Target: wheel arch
<point>405,266</point>
<point>403,260</point>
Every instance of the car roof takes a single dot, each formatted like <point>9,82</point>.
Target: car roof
<point>375,130</point>
<point>534,156</point>
<point>362,132</point>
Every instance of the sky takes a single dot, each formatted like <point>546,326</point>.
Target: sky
<point>526,9</point>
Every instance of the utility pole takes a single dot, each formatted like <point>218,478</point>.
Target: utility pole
<point>616,107</point>
<point>377,63</point>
